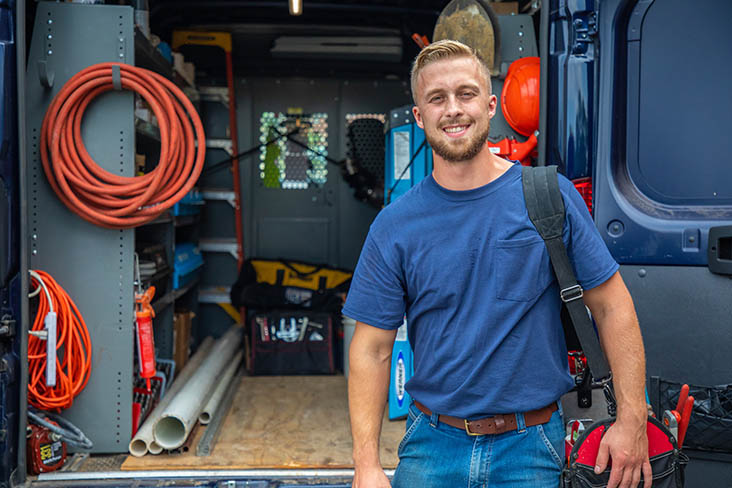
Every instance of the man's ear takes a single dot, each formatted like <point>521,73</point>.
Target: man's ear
<point>492,105</point>
<point>418,116</point>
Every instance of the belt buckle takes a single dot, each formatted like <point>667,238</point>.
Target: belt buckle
<point>467,429</point>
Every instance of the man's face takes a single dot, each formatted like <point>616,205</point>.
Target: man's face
<point>454,107</point>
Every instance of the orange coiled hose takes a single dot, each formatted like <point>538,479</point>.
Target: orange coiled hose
<point>73,350</point>
<point>101,197</point>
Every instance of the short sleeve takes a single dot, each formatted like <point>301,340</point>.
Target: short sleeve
<point>377,293</point>
<point>593,264</point>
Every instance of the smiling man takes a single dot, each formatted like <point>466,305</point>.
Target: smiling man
<point>459,256</point>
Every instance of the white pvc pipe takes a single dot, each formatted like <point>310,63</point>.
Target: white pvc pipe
<point>226,382</point>
<point>140,444</point>
<point>177,420</point>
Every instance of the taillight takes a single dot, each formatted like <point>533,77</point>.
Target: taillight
<point>584,187</point>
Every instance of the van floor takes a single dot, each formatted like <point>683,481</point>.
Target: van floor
<point>279,422</point>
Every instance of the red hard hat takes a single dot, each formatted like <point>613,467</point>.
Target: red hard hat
<point>520,97</point>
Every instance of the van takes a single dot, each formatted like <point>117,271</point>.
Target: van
<point>634,101</point>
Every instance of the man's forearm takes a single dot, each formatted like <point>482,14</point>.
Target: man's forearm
<point>368,384</point>
<point>620,336</point>
<point>623,345</point>
<point>622,342</point>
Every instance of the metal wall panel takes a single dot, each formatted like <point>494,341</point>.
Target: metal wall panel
<point>685,314</point>
<point>94,265</point>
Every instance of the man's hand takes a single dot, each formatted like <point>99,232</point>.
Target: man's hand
<point>370,478</point>
<point>626,445</point>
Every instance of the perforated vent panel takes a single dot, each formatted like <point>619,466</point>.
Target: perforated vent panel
<point>296,161</point>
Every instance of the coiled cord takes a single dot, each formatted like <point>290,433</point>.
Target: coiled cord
<point>73,345</point>
<point>101,197</point>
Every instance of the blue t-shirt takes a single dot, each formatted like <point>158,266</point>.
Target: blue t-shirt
<point>473,276</point>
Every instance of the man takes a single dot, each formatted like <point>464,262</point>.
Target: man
<point>459,256</point>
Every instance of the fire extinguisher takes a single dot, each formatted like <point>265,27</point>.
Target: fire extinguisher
<point>144,314</point>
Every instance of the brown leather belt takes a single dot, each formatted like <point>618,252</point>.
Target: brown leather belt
<point>494,425</point>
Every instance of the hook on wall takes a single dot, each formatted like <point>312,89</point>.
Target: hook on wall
<point>45,74</point>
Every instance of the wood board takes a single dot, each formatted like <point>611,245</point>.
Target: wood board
<point>281,422</point>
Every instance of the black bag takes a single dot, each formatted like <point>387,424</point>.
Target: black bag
<point>285,342</point>
<point>710,426</point>
<point>545,206</point>
<point>283,284</point>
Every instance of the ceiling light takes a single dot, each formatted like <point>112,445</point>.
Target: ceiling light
<point>295,7</point>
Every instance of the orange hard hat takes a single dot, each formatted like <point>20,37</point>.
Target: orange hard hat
<point>520,97</point>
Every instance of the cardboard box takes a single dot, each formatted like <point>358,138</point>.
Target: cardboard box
<point>181,338</point>
<point>505,8</point>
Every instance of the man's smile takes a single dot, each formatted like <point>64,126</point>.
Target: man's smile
<point>455,130</point>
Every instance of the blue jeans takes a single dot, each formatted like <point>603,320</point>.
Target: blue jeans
<point>435,455</point>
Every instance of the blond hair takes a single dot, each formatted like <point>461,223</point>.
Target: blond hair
<point>445,49</point>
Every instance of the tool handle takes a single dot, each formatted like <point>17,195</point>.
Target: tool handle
<point>50,322</point>
<point>685,418</point>
<point>682,399</point>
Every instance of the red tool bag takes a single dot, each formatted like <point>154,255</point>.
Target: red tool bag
<point>666,458</point>
<point>545,207</point>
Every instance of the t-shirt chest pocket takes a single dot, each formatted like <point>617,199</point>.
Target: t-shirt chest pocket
<point>522,270</point>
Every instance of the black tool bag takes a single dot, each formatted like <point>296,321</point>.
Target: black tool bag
<point>545,206</point>
<point>286,342</point>
<point>710,425</point>
<point>285,284</point>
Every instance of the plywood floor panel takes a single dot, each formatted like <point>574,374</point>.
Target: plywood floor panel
<point>281,422</point>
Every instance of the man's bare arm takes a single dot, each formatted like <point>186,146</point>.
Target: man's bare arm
<point>368,385</point>
<point>620,336</point>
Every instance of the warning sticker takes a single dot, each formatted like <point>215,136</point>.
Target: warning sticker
<point>402,155</point>
<point>51,453</point>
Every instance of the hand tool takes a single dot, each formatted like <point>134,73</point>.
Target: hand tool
<point>682,399</point>
<point>685,418</point>
<point>671,420</point>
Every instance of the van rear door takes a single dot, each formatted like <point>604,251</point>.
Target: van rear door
<point>10,277</point>
<point>636,95</point>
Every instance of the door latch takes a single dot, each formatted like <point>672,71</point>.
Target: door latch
<point>585,31</point>
<point>719,250</point>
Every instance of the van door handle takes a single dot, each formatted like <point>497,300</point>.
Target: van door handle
<point>719,250</point>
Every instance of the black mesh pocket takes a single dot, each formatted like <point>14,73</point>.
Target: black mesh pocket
<point>710,427</point>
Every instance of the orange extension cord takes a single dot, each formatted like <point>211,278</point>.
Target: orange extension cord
<point>110,200</point>
<point>73,345</point>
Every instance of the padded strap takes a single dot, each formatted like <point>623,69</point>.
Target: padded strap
<point>545,206</point>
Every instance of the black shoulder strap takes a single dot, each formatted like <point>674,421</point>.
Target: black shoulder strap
<point>546,210</point>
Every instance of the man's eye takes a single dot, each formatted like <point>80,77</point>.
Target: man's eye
<point>468,94</point>
<point>436,99</point>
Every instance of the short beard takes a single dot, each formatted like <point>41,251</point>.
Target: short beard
<point>450,155</point>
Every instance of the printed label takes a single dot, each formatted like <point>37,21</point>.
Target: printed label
<point>297,296</point>
<point>51,453</point>
<point>399,381</point>
<point>402,155</point>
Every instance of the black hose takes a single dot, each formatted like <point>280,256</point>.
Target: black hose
<point>68,432</point>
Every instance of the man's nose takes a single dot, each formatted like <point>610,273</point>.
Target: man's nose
<point>453,107</point>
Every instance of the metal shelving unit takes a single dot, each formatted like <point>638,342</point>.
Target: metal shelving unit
<point>93,264</point>
<point>148,135</point>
